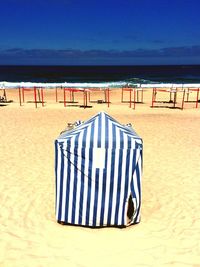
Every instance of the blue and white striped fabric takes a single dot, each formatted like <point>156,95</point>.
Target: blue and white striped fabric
<point>98,167</point>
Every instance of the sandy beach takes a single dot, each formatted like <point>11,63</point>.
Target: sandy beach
<point>169,232</point>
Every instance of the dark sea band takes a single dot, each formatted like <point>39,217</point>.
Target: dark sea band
<point>99,76</point>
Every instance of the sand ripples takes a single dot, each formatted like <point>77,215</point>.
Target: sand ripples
<point>169,233</point>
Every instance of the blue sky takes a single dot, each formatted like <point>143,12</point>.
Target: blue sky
<point>106,32</point>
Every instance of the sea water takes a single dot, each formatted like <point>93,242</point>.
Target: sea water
<point>99,76</point>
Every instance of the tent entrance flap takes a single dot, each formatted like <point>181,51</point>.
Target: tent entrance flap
<point>130,209</point>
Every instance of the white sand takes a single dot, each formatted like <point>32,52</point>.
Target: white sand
<point>169,233</point>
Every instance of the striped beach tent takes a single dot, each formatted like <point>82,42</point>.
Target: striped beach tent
<point>98,167</point>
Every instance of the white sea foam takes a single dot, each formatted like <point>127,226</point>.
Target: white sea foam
<point>69,85</point>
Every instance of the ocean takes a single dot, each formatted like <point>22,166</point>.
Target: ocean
<point>100,75</point>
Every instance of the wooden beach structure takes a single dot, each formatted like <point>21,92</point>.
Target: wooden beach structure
<point>135,95</point>
<point>172,101</point>
<point>71,93</point>
<point>86,94</point>
<point>163,96</point>
<point>106,95</point>
<point>195,100</point>
<point>38,95</point>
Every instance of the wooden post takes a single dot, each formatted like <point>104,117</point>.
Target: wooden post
<point>137,95</point>
<point>130,98</point>
<point>20,100</point>
<point>38,93</point>
<point>35,97</point>
<point>42,94</point>
<point>89,97</point>
<point>56,94</point>
<point>70,94</point>
<point>197,102</point>
<point>23,94</point>
<point>170,97</point>
<point>134,98</point>
<point>85,99</point>
<point>64,97</point>
<point>142,95</point>
<point>188,92</point>
<point>183,100</point>
<point>153,97</point>
<point>175,96</point>
<point>108,97</point>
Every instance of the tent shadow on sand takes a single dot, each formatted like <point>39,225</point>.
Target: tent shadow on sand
<point>98,167</point>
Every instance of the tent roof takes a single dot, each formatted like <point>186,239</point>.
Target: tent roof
<point>102,131</point>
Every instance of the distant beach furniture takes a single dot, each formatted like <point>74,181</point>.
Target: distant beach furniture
<point>98,168</point>
<point>171,102</point>
<point>84,91</point>
<point>86,96</point>
<point>137,95</point>
<point>106,95</point>
<point>195,100</point>
<point>68,95</point>
<point>38,94</point>
<point>163,95</point>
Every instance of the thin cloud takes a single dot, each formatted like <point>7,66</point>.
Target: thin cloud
<point>183,51</point>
